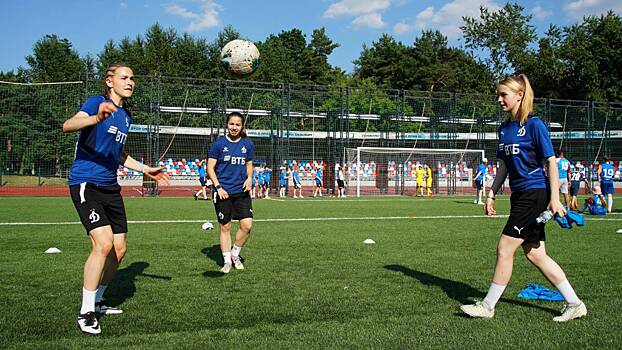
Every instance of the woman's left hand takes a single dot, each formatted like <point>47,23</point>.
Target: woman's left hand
<point>158,175</point>
<point>556,207</point>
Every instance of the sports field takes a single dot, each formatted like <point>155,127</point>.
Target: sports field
<point>309,281</point>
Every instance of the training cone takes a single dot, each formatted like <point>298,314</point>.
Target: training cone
<point>369,241</point>
<point>52,250</point>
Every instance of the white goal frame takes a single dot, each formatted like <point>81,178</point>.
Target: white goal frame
<point>412,151</point>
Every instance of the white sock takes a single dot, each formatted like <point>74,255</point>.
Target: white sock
<point>227,257</point>
<point>235,251</point>
<point>88,301</point>
<point>494,294</point>
<point>568,293</point>
<point>198,193</point>
<point>609,203</point>
<point>99,294</point>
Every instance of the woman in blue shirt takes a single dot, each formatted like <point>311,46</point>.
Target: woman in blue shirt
<point>524,150</point>
<point>104,123</point>
<point>230,167</point>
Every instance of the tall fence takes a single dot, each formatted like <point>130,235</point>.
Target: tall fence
<point>176,119</point>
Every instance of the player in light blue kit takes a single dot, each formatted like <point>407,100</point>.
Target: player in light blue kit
<point>605,174</point>
<point>524,150</point>
<point>282,181</point>
<point>563,165</point>
<point>104,123</point>
<point>480,177</point>
<point>230,167</point>
<point>297,182</point>
<point>267,177</point>
<point>203,180</point>
<point>318,181</point>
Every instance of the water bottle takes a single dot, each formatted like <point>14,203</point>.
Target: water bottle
<point>544,217</point>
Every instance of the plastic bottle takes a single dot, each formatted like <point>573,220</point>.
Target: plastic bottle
<point>544,217</point>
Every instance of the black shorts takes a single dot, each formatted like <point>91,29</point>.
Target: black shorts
<point>479,184</point>
<point>237,207</point>
<point>203,180</point>
<point>574,187</point>
<point>340,183</point>
<point>99,206</point>
<point>525,207</point>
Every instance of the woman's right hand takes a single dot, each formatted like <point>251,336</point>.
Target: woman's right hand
<point>222,193</point>
<point>105,110</point>
<point>489,208</point>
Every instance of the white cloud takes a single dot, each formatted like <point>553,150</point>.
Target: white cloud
<point>448,18</point>
<point>540,12</point>
<point>181,12</point>
<point>207,17</point>
<point>401,28</point>
<point>370,20</point>
<point>581,8</point>
<point>355,8</point>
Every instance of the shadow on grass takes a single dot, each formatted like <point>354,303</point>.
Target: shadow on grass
<point>215,254</point>
<point>458,291</point>
<point>124,285</point>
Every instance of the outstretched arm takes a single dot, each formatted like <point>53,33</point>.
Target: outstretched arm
<point>82,120</point>
<point>156,174</point>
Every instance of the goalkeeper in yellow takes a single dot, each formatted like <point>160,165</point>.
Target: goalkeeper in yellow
<point>420,173</point>
<point>428,179</point>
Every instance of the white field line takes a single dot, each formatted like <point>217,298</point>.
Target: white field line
<point>444,217</point>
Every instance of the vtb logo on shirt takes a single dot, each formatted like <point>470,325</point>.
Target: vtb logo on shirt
<point>121,137</point>
<point>235,160</point>
<point>510,149</point>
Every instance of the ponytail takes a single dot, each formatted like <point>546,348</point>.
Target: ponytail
<point>520,83</point>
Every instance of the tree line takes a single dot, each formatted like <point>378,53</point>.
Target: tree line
<point>578,61</point>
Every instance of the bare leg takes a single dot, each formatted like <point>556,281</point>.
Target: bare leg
<point>114,258</point>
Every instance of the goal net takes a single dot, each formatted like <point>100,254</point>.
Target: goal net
<point>403,171</point>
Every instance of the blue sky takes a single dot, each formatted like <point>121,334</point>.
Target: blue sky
<point>88,24</point>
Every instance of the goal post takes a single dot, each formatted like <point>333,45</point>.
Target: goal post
<point>403,171</point>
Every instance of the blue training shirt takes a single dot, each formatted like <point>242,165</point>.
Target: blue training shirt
<point>296,177</point>
<point>481,170</point>
<point>318,174</point>
<point>606,173</point>
<point>562,166</point>
<point>524,148</point>
<point>231,158</point>
<point>267,174</point>
<point>202,170</point>
<point>100,146</point>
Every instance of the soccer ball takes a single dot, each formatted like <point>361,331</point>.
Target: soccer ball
<point>207,226</point>
<point>239,57</point>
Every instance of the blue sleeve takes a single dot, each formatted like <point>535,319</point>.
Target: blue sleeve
<point>214,151</point>
<point>500,153</point>
<point>250,155</point>
<point>91,106</point>
<point>542,140</point>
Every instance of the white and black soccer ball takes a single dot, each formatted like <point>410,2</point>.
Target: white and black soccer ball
<point>239,57</point>
<point>207,226</point>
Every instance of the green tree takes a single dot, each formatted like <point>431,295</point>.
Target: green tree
<point>316,66</point>
<point>505,35</point>
<point>54,60</point>
<point>592,51</point>
<point>384,62</point>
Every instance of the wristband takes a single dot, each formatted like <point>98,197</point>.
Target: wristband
<point>218,187</point>
<point>489,197</point>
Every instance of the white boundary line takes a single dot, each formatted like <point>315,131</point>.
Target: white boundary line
<point>296,219</point>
